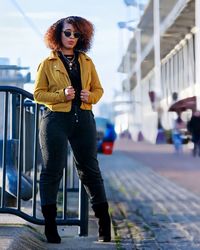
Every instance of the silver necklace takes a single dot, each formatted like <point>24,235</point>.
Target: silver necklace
<point>70,62</point>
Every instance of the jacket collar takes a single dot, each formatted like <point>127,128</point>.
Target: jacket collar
<point>54,55</point>
<point>83,58</point>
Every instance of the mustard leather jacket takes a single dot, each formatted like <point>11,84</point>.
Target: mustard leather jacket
<point>52,78</point>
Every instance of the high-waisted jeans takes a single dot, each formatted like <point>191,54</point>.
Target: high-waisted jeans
<point>78,127</point>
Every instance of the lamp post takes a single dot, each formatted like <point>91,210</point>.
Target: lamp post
<point>131,25</point>
<point>137,35</point>
<point>135,3</point>
<point>126,25</point>
<point>127,65</point>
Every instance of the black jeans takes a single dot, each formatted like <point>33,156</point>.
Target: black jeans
<point>77,126</point>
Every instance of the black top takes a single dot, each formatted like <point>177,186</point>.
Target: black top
<point>194,125</point>
<point>73,70</point>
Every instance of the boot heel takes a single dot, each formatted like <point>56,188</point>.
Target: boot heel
<point>101,212</point>
<point>51,233</point>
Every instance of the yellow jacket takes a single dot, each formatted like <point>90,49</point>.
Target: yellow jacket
<point>52,78</point>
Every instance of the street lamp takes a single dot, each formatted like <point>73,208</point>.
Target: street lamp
<point>131,25</point>
<point>125,106</point>
<point>134,3</point>
<point>130,2</point>
<point>125,25</point>
<point>138,91</point>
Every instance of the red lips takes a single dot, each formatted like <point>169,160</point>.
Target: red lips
<point>71,42</point>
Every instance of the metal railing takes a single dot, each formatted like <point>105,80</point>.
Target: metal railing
<point>20,163</point>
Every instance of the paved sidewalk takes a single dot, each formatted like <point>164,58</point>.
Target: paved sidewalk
<point>183,168</point>
<point>148,210</point>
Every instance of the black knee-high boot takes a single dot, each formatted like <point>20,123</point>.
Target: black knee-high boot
<point>101,212</point>
<point>49,213</point>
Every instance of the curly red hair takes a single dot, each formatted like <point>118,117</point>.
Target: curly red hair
<point>52,37</point>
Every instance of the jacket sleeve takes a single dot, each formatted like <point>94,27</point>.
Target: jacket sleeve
<point>41,90</point>
<point>96,90</point>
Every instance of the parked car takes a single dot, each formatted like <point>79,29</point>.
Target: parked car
<point>106,135</point>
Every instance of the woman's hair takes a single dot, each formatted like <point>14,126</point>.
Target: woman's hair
<point>52,37</point>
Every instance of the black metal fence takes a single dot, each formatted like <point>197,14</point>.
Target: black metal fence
<point>20,164</point>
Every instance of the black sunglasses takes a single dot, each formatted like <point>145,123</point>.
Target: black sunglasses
<point>70,33</point>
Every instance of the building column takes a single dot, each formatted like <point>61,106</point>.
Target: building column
<point>197,52</point>
<point>138,86</point>
<point>160,138</point>
<point>156,19</point>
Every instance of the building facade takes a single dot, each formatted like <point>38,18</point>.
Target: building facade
<point>162,67</point>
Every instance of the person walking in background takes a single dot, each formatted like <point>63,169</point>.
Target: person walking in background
<point>177,135</point>
<point>109,136</point>
<point>67,84</point>
<point>194,129</point>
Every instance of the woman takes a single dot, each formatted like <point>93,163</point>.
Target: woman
<point>67,84</point>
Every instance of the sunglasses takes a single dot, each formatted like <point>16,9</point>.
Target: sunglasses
<point>70,33</point>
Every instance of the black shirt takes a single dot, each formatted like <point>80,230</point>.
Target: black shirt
<point>74,73</point>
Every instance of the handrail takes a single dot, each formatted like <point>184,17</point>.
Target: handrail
<point>16,90</point>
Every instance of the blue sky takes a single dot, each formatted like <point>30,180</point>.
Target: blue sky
<point>18,40</point>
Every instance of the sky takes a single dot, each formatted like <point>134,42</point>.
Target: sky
<point>22,37</point>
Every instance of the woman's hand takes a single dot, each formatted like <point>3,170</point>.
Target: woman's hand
<point>69,93</point>
<point>85,95</point>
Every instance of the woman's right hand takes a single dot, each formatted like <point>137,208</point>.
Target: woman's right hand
<point>69,93</point>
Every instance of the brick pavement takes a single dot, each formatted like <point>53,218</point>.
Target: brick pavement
<point>148,210</point>
<point>184,169</point>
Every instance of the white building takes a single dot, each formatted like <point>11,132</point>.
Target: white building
<point>162,63</point>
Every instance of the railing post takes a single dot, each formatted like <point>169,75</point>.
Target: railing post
<point>3,188</point>
<point>83,210</point>
<point>35,157</point>
<point>20,152</point>
<point>65,171</point>
<point>14,126</point>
